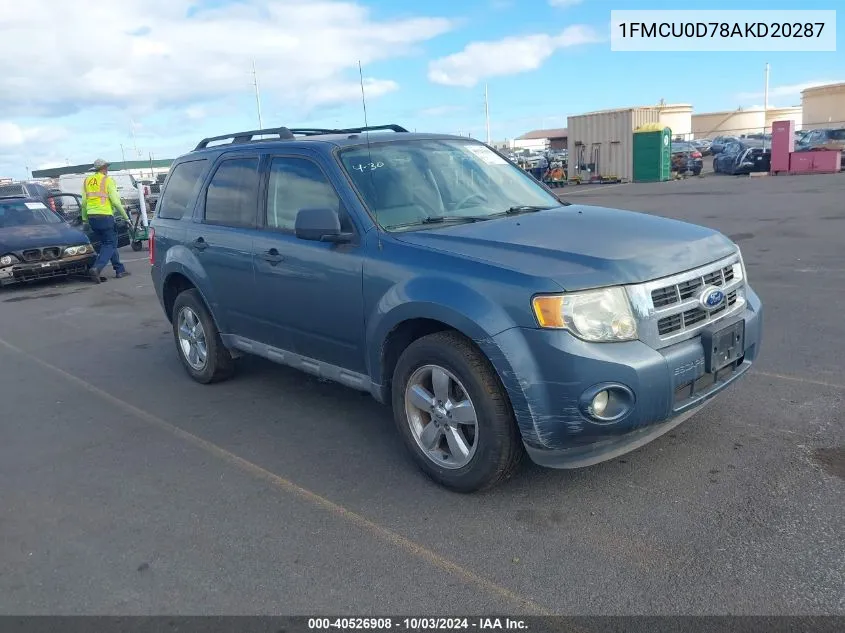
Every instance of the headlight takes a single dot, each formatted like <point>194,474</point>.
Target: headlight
<point>739,268</point>
<point>600,316</point>
<point>7,260</point>
<point>78,250</point>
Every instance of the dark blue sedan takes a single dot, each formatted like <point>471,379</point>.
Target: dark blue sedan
<point>36,243</point>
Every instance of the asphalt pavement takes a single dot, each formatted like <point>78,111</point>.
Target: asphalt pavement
<point>128,489</point>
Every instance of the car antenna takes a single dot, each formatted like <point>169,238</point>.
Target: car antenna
<point>369,152</point>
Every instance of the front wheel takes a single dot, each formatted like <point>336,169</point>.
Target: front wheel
<point>454,415</point>
<point>137,246</point>
<point>198,342</point>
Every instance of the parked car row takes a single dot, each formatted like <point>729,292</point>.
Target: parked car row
<point>42,234</point>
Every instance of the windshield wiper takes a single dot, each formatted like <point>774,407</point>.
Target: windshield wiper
<point>525,208</point>
<point>441,219</point>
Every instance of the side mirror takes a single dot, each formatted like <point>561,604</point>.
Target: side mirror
<point>320,225</point>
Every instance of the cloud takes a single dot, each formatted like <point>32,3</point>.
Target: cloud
<point>509,56</point>
<point>336,93</point>
<point>152,54</point>
<point>564,3</point>
<point>14,136</point>
<point>789,90</point>
<point>441,111</point>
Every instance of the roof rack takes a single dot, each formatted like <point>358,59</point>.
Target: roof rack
<point>288,134</point>
<point>245,137</point>
<point>373,128</point>
<point>350,130</point>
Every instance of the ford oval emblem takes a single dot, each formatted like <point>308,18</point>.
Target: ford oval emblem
<point>711,298</point>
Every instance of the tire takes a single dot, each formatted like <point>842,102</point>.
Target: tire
<point>218,363</point>
<point>715,167</point>
<point>137,246</point>
<point>697,172</point>
<point>496,448</point>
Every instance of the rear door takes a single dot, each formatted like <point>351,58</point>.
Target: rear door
<point>221,237</point>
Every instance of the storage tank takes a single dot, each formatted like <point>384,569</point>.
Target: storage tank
<point>729,123</point>
<point>601,144</point>
<point>823,106</point>
<point>784,114</point>
<point>678,118</point>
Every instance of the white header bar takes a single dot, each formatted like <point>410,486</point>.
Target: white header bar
<point>714,31</point>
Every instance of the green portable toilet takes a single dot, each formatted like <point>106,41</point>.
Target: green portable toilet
<point>652,154</point>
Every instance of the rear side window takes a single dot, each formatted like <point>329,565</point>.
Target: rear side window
<point>231,199</point>
<point>178,196</point>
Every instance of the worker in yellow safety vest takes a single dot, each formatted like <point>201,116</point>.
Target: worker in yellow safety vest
<point>100,199</point>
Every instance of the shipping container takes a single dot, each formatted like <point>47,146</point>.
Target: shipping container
<point>601,144</point>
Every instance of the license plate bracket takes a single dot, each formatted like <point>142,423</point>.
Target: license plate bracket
<point>723,346</point>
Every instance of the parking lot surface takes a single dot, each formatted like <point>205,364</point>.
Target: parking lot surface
<point>129,489</point>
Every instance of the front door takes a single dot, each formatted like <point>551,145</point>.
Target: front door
<point>221,238</point>
<point>311,290</point>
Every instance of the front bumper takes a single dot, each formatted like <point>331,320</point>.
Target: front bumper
<point>547,373</point>
<point>19,273</point>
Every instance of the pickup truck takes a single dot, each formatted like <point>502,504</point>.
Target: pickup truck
<point>496,320</point>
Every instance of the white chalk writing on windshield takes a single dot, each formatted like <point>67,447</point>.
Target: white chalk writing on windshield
<point>362,167</point>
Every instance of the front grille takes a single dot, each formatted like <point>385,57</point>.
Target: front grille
<point>676,293</point>
<point>50,253</point>
<point>32,255</point>
<point>690,318</point>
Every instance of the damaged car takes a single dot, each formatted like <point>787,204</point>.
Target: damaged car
<point>36,243</point>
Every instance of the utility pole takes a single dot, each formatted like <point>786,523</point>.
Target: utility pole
<point>257,95</point>
<point>134,140</point>
<point>487,113</point>
<point>122,153</point>
<point>766,92</point>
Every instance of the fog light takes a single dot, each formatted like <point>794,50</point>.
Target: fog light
<point>599,403</point>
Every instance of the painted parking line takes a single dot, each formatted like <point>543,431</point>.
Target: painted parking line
<point>806,381</point>
<point>385,534</point>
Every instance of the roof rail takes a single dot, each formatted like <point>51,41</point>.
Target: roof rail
<point>245,137</point>
<point>372,128</point>
<point>311,131</point>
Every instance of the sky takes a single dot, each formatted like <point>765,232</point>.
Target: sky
<point>138,78</point>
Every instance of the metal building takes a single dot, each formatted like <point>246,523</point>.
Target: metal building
<point>601,144</point>
<point>678,118</point>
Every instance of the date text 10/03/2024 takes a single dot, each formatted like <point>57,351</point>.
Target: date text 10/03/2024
<point>416,624</point>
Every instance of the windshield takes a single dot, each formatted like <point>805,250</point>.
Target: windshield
<point>408,184</point>
<point>17,213</point>
<point>837,135</point>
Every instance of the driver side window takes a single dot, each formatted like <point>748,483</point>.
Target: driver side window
<point>297,183</point>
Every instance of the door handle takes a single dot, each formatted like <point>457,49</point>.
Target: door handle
<point>200,244</point>
<point>273,256</point>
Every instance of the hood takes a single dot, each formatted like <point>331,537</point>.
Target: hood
<point>18,238</point>
<point>581,246</point>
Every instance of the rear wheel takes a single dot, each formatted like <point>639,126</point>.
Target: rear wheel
<point>454,414</point>
<point>198,342</point>
<point>137,246</point>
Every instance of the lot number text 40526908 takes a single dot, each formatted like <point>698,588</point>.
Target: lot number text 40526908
<point>417,624</point>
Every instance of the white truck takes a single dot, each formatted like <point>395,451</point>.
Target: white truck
<point>127,187</point>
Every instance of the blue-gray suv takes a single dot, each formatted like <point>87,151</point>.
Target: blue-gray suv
<point>433,273</point>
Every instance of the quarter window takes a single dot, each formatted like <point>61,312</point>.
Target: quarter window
<point>178,196</point>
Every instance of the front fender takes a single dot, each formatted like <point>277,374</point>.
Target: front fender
<point>437,298</point>
<point>181,260</point>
